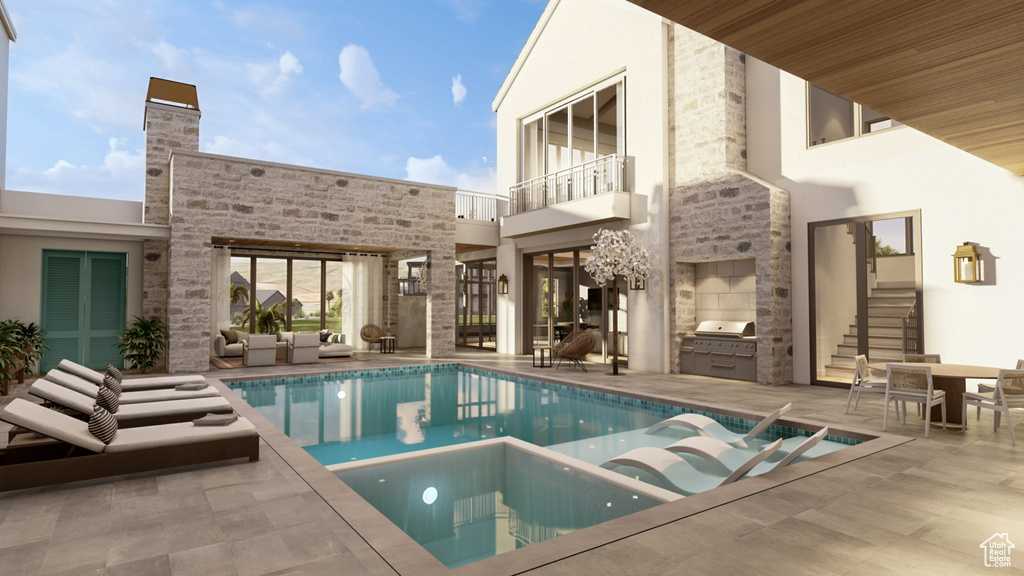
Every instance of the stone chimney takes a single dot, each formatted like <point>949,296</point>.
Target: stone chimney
<point>171,122</point>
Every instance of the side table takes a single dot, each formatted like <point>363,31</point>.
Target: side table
<point>542,356</point>
<point>387,344</point>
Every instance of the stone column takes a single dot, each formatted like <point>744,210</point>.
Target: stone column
<point>441,303</point>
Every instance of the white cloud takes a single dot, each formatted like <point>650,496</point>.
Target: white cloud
<point>120,176</point>
<point>436,171</point>
<point>458,90</point>
<point>174,61</point>
<point>465,10</point>
<point>273,77</point>
<point>268,151</point>
<point>360,76</point>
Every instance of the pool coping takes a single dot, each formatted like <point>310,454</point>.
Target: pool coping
<point>407,557</point>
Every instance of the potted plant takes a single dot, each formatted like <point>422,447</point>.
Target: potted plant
<point>21,346</point>
<point>142,342</point>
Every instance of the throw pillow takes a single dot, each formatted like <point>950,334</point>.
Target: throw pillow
<point>216,419</point>
<point>106,399</point>
<point>242,336</point>
<point>102,424</point>
<point>111,371</point>
<point>230,336</point>
<point>325,335</point>
<point>113,383</point>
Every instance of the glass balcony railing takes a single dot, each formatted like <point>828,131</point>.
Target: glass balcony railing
<point>604,175</point>
<point>480,207</point>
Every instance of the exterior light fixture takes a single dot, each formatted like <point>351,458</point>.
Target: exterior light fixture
<point>637,283</point>
<point>502,284</point>
<point>966,264</point>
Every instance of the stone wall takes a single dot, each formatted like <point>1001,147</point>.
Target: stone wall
<point>217,196</point>
<point>167,128</point>
<point>717,211</point>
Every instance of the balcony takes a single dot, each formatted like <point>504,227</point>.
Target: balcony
<point>590,193</point>
<point>476,220</point>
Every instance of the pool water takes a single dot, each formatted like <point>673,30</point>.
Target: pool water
<point>487,501</point>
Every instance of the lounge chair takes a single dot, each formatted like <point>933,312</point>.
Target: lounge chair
<point>83,386</point>
<point>679,474</point>
<point>371,334</point>
<point>129,384</point>
<point>260,350</point>
<point>709,427</point>
<point>78,455</point>
<point>130,415</point>
<point>575,346</point>
<point>728,458</point>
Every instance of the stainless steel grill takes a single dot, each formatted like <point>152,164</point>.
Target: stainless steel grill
<point>721,348</point>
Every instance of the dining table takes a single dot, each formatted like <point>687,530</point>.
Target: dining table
<point>951,379</point>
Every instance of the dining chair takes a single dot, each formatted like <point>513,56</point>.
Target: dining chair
<point>1008,393</point>
<point>986,388</point>
<point>921,359</point>
<point>912,384</point>
<point>864,381</point>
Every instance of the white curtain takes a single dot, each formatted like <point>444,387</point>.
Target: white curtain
<point>220,292</point>
<point>362,296</point>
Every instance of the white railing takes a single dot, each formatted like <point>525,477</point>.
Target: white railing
<point>601,176</point>
<point>478,206</point>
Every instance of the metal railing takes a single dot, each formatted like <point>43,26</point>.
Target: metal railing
<point>480,207</point>
<point>909,331</point>
<point>411,287</point>
<point>601,176</point>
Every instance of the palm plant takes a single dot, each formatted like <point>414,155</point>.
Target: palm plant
<point>268,317</point>
<point>238,293</point>
<point>21,345</point>
<point>142,342</point>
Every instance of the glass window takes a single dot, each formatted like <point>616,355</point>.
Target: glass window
<point>558,140</point>
<point>609,136</point>
<point>533,149</point>
<point>831,116</point>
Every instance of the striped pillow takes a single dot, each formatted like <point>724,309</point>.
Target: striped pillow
<point>106,399</point>
<point>102,424</point>
<point>113,383</point>
<point>111,371</point>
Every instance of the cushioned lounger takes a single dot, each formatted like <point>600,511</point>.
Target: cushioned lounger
<point>130,415</point>
<point>83,386</point>
<point>132,450</point>
<point>144,383</point>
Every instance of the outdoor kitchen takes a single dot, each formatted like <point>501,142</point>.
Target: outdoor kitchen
<point>724,345</point>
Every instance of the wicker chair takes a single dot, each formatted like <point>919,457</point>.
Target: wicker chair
<point>575,346</point>
<point>371,334</point>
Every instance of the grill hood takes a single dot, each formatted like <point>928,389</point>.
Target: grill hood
<point>734,328</point>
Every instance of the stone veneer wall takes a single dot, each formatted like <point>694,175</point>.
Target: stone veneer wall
<point>167,128</point>
<point>252,200</point>
<point>717,211</point>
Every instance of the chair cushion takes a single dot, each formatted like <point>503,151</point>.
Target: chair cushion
<point>106,399</point>
<point>102,425</point>
<point>325,335</point>
<point>230,336</point>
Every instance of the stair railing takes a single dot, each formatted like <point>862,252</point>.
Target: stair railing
<point>909,332</point>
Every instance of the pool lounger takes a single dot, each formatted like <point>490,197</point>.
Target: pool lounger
<point>78,455</point>
<point>706,426</point>
<point>728,459</point>
<point>131,415</point>
<point>145,383</point>
<point>676,472</point>
<point>83,386</point>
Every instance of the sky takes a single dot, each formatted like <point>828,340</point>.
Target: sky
<point>388,88</point>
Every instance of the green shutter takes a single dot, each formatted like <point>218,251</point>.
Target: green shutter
<point>62,314</point>
<point>84,295</point>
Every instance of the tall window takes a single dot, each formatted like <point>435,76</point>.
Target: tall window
<point>582,129</point>
<point>831,118</point>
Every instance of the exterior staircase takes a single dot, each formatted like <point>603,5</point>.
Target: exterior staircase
<point>888,304</point>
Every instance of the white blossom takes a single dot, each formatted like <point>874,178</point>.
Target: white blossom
<point>617,253</point>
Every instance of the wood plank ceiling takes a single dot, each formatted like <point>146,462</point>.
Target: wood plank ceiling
<point>951,69</point>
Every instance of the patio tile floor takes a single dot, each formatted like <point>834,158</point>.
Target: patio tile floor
<point>923,507</point>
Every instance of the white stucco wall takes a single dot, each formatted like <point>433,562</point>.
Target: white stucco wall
<point>577,44</point>
<point>21,271</point>
<point>961,198</point>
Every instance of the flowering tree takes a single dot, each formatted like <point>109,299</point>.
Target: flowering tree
<point>617,253</point>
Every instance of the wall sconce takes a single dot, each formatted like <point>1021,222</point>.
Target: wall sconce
<point>966,264</point>
<point>637,283</point>
<point>502,284</point>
